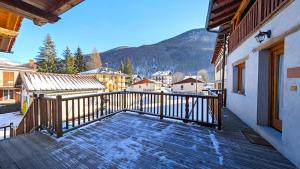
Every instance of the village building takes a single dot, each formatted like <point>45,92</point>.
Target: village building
<point>136,78</point>
<point>112,79</point>
<point>188,85</point>
<point>260,40</point>
<point>165,77</point>
<point>146,85</point>
<point>9,93</point>
<point>52,84</point>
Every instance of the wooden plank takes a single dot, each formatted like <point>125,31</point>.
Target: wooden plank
<point>293,72</point>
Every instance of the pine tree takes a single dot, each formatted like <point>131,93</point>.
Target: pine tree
<point>46,60</point>
<point>69,62</point>
<point>121,67</point>
<point>79,60</point>
<point>129,67</point>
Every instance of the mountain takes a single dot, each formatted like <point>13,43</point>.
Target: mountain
<point>187,53</point>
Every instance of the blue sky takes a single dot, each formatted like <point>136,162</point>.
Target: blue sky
<point>106,24</point>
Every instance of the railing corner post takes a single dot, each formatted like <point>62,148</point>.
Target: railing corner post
<point>220,111</point>
<point>186,109</point>
<point>58,125</point>
<point>11,129</point>
<point>161,105</point>
<point>124,101</point>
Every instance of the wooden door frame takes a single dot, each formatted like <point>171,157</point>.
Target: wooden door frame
<point>275,53</point>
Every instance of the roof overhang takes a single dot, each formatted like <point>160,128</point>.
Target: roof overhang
<point>39,11</point>
<point>221,12</point>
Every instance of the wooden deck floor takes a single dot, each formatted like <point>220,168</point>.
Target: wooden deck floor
<point>134,141</point>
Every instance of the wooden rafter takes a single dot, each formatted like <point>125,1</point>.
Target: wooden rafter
<point>38,15</point>
<point>7,32</point>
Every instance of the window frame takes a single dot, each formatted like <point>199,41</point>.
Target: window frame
<point>239,78</point>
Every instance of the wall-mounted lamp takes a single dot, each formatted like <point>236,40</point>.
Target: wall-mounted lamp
<point>260,37</point>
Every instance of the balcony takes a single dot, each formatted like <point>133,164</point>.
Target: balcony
<point>129,140</point>
<point>260,12</point>
<point>133,130</point>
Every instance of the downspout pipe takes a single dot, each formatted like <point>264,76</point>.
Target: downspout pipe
<point>224,47</point>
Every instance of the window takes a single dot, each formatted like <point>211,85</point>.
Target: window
<point>140,86</point>
<point>8,94</point>
<point>181,87</point>
<point>239,78</point>
<point>8,78</point>
<point>192,84</point>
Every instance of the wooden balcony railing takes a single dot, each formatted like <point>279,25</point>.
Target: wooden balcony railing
<point>260,12</point>
<point>6,131</point>
<point>59,115</point>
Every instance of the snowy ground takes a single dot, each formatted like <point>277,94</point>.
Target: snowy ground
<point>6,119</point>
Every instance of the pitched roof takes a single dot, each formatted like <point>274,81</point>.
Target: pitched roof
<point>34,81</point>
<point>39,11</point>
<point>188,80</point>
<point>144,81</point>
<point>162,73</point>
<point>103,70</point>
<point>221,12</point>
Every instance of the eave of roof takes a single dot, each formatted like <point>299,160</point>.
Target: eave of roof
<point>221,12</point>
<point>188,80</point>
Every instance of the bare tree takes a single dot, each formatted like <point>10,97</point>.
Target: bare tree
<point>204,75</point>
<point>178,76</point>
<point>95,60</point>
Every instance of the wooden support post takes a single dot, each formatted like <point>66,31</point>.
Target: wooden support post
<point>11,130</point>
<point>36,112</point>
<point>141,102</point>
<point>220,111</point>
<point>124,100</point>
<point>41,110</point>
<point>102,105</point>
<point>161,105</point>
<point>186,109</point>
<point>58,122</point>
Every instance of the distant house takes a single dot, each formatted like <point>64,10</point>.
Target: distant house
<point>112,79</point>
<point>146,85</point>
<point>136,78</point>
<point>51,85</point>
<point>189,85</point>
<point>165,77</point>
<point>9,93</point>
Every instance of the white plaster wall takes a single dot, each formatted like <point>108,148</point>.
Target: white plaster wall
<point>145,87</point>
<point>245,107</point>
<point>187,87</point>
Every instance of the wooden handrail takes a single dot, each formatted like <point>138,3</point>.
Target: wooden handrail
<point>61,115</point>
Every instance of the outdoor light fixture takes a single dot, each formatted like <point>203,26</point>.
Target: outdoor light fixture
<point>260,37</point>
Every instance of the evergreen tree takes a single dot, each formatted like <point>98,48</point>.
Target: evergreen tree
<point>79,60</point>
<point>46,60</point>
<point>121,67</point>
<point>69,62</point>
<point>129,69</point>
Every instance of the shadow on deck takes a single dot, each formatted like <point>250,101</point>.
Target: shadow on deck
<point>128,140</point>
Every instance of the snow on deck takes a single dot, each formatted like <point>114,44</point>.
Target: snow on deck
<point>129,140</point>
<point>6,119</point>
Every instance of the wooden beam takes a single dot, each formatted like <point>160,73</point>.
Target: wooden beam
<point>22,8</point>
<point>228,11</point>
<point>7,32</point>
<point>59,5</point>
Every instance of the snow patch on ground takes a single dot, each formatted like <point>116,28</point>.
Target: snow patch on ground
<point>13,117</point>
<point>6,119</point>
<point>216,146</point>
